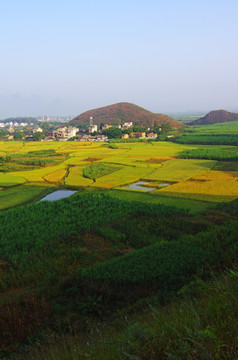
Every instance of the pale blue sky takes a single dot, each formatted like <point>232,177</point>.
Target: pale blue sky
<point>65,57</point>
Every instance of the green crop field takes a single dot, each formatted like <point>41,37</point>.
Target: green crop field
<point>227,128</point>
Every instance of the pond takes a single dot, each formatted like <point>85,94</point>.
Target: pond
<point>57,195</point>
<point>139,186</point>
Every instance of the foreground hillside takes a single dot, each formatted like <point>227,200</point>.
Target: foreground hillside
<point>95,277</point>
<point>214,117</point>
<point>124,112</point>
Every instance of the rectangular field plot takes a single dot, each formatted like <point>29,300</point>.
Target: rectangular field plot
<point>11,180</point>
<point>182,169</point>
<point>121,177</point>
<point>56,176</point>
<point>75,177</point>
<point>211,190</point>
<point>217,175</point>
<point>38,174</point>
<point>19,194</point>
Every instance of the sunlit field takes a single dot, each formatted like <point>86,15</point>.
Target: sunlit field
<point>28,169</point>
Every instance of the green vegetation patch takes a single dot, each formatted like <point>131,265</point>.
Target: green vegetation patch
<point>19,194</point>
<point>42,152</point>
<point>10,180</point>
<point>166,263</point>
<point>207,139</point>
<point>191,205</point>
<point>209,154</point>
<point>169,264</point>
<point>98,170</point>
<point>68,217</point>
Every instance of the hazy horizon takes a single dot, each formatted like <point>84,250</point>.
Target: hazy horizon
<point>64,58</point>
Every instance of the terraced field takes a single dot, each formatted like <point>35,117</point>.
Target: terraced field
<point>47,166</point>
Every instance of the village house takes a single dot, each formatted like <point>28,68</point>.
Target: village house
<point>125,136</point>
<point>152,135</point>
<point>37,129</point>
<point>8,137</point>
<point>106,126</point>
<point>93,128</point>
<point>96,138</point>
<point>127,125</point>
<point>64,133</point>
<point>137,134</point>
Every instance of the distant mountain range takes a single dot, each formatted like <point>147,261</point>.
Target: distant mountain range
<point>124,112</point>
<point>214,117</point>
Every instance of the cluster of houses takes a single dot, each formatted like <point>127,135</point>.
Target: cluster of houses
<point>125,126</point>
<point>92,133</point>
<point>140,135</point>
<point>64,133</point>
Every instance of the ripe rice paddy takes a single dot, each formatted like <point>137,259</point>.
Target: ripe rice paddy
<point>205,180</point>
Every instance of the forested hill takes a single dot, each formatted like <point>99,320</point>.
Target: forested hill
<point>124,112</point>
<point>216,116</point>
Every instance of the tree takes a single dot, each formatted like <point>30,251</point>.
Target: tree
<point>165,128</point>
<point>113,133</point>
<point>18,135</point>
<point>37,136</point>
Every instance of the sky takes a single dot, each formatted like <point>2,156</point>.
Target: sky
<point>63,57</point>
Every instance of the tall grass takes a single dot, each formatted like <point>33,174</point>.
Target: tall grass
<point>201,324</point>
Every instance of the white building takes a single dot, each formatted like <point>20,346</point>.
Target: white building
<point>92,128</point>
<point>37,129</point>
<point>127,125</point>
<point>64,133</point>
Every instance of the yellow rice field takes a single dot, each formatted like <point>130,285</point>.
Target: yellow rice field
<point>210,190</point>
<point>75,177</point>
<point>180,169</point>
<point>56,176</point>
<point>155,162</point>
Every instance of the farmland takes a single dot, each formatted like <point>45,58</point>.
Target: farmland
<point>28,170</point>
<point>108,251</point>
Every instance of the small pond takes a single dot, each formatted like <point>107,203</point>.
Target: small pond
<point>139,186</point>
<point>58,194</point>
